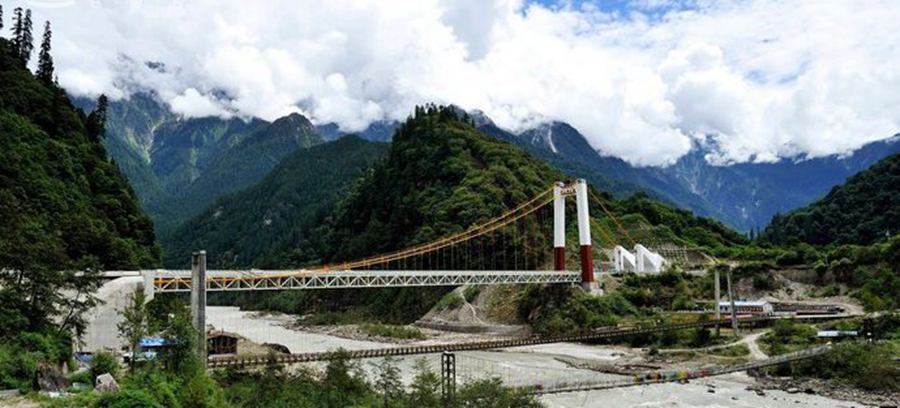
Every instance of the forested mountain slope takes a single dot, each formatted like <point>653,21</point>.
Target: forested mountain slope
<point>276,222</point>
<point>62,200</point>
<point>179,166</point>
<point>864,210</point>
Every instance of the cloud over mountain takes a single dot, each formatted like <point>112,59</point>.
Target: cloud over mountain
<point>759,80</point>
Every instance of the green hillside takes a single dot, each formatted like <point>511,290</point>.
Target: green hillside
<point>863,211</point>
<point>58,187</point>
<point>66,212</point>
<point>273,224</point>
<point>440,177</point>
<point>236,168</point>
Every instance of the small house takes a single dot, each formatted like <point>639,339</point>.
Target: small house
<point>221,343</point>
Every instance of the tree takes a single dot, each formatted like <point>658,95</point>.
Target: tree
<point>426,387</point>
<point>180,357</point>
<point>45,60</point>
<point>17,29</point>
<point>96,121</point>
<point>27,43</point>
<point>1,16</point>
<point>135,323</point>
<point>388,381</point>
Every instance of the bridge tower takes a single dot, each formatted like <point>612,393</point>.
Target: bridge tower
<point>559,228</point>
<point>579,190</point>
<point>584,237</point>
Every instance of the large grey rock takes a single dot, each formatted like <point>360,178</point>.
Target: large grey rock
<point>48,378</point>
<point>106,383</point>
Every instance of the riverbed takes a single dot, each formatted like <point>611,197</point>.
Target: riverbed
<point>531,365</point>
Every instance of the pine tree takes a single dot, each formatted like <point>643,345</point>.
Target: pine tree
<point>96,121</point>
<point>18,27</point>
<point>1,16</point>
<point>27,43</point>
<point>45,60</point>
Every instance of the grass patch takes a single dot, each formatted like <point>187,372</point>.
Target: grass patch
<point>471,293</point>
<point>394,332</point>
<point>739,350</point>
<point>450,301</point>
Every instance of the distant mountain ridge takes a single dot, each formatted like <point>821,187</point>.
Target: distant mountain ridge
<point>178,167</point>
<point>744,196</point>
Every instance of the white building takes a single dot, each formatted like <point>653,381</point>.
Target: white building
<point>747,307</point>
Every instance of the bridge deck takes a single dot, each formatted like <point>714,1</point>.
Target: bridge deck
<point>180,280</point>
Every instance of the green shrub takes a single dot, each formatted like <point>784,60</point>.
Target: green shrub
<point>451,300</point>
<point>102,363</point>
<point>471,293</point>
<point>128,399</point>
<point>396,332</point>
<point>700,337</point>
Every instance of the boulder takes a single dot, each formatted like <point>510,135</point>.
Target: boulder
<point>48,378</point>
<point>106,383</point>
<point>277,348</point>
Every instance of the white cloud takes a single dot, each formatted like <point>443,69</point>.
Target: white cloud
<point>193,104</point>
<point>762,80</point>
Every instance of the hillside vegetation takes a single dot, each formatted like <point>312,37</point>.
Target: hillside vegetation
<point>64,207</point>
<point>864,210</point>
<point>275,223</point>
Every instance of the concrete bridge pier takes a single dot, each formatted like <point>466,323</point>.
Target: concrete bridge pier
<point>198,299</point>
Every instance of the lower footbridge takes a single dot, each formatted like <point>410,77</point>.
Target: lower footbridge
<point>601,334</point>
<point>679,376</point>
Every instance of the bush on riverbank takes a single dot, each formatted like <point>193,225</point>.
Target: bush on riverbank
<point>394,332</point>
<point>863,365</point>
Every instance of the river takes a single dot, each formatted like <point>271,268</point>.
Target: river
<point>533,365</point>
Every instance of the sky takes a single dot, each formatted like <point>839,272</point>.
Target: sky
<point>752,81</point>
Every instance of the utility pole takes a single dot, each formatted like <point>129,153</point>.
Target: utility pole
<point>718,298</point>
<point>448,377</point>
<point>198,299</point>
<point>734,322</point>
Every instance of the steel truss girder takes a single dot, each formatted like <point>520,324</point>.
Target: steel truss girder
<point>177,281</point>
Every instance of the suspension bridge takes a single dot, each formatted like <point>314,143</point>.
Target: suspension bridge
<point>525,245</point>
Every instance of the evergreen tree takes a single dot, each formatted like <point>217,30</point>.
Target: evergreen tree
<point>18,28</point>
<point>1,16</point>
<point>135,323</point>
<point>45,60</point>
<point>96,121</point>
<point>27,43</point>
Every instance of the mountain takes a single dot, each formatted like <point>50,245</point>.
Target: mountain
<point>273,224</point>
<point>63,202</point>
<point>440,176</point>
<point>745,196</point>
<point>378,131</point>
<point>864,210</point>
<point>180,166</point>
<point>238,167</point>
